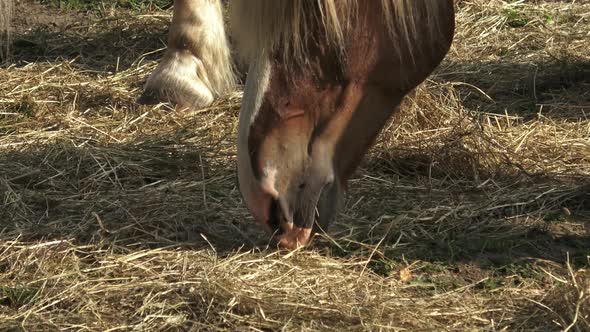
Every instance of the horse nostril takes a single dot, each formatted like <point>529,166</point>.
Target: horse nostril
<point>279,215</point>
<point>302,186</point>
<point>329,180</point>
<point>274,216</point>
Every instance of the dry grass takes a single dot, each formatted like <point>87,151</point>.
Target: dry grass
<point>472,212</point>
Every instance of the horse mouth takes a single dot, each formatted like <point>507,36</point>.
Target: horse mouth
<point>291,231</point>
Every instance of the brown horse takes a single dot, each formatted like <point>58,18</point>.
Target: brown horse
<point>324,78</point>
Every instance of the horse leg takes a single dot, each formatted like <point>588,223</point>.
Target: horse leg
<point>6,8</point>
<point>197,67</point>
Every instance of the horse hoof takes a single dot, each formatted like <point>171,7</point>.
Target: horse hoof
<point>176,80</point>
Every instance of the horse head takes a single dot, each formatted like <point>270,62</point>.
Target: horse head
<point>324,78</point>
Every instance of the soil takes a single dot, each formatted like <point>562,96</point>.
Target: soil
<point>31,15</point>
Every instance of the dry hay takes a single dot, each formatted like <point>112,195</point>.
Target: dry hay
<point>471,213</point>
<point>571,301</point>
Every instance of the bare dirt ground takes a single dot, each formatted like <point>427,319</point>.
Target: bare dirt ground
<point>471,213</point>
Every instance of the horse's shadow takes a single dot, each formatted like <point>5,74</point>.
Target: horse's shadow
<point>469,237</point>
<point>556,88</point>
<point>160,192</point>
<point>442,212</point>
<point>147,194</point>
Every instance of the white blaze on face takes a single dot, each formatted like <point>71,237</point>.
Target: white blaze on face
<point>269,178</point>
<point>256,86</point>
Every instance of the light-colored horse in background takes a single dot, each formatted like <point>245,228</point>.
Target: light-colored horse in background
<point>324,77</point>
<point>197,66</point>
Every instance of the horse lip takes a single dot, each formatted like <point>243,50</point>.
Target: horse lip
<point>281,221</point>
<point>274,217</point>
<point>294,237</point>
<point>293,228</point>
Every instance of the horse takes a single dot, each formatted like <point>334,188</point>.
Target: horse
<point>6,9</point>
<point>323,79</point>
<point>197,66</point>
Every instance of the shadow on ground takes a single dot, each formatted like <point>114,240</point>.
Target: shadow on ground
<point>43,33</point>
<point>557,88</point>
<point>162,191</point>
<point>454,209</point>
<point>154,193</point>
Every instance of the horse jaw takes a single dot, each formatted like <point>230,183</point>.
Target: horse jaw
<point>256,199</point>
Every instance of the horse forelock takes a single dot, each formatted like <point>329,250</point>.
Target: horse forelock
<point>269,26</point>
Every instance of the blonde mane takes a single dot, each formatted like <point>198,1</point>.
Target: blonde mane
<point>270,25</point>
<point>6,8</point>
